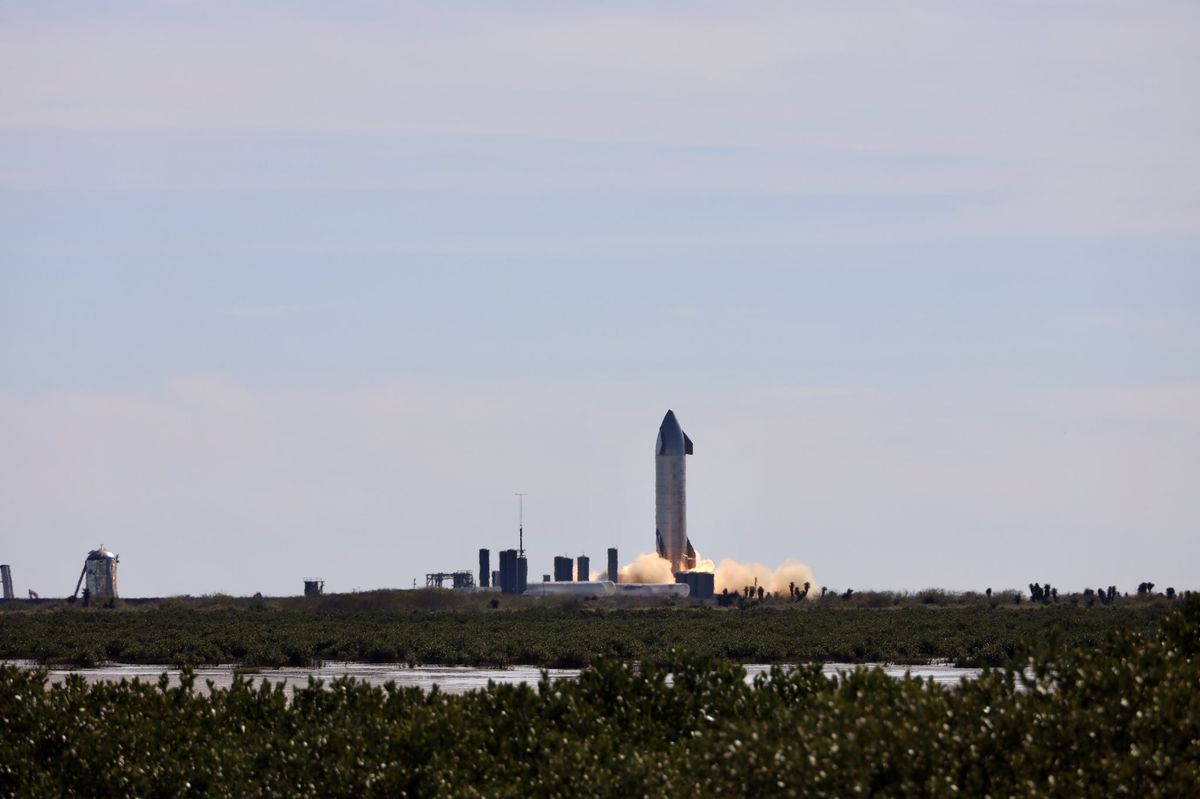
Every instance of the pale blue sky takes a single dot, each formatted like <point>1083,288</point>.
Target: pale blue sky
<point>312,289</point>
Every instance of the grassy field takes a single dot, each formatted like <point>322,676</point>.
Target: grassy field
<point>1118,717</point>
<point>442,627</point>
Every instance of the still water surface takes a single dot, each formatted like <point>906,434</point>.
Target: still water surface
<point>449,679</point>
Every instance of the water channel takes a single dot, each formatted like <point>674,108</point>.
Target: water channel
<point>449,679</point>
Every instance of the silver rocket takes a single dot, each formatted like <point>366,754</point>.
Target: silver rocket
<point>670,503</point>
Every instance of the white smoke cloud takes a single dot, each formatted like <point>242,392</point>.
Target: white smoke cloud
<point>728,574</point>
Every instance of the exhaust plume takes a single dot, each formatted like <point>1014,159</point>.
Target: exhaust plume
<point>647,568</point>
<point>728,574</point>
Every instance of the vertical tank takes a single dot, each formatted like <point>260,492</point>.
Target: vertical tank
<point>510,576</point>
<point>562,569</point>
<point>583,569</point>
<point>613,570</point>
<point>522,574</point>
<point>6,579</point>
<point>100,573</point>
<point>485,568</point>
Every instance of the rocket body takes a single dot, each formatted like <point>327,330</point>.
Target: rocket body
<point>670,503</point>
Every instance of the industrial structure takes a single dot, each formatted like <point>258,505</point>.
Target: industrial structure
<point>314,586</point>
<point>514,572</point>
<point>700,584</point>
<point>485,568</point>
<point>651,590</point>
<point>100,572</point>
<point>670,495</point>
<point>461,580</point>
<point>590,589</point>
<point>573,576</point>
<point>6,579</point>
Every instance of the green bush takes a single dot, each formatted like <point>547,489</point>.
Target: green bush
<point>213,630</point>
<point>1117,717</point>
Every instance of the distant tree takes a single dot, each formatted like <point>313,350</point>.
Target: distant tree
<point>760,592</point>
<point>1089,597</point>
<point>824,590</point>
<point>849,593</point>
<point>988,593</point>
<point>1054,594</point>
<point>1170,592</point>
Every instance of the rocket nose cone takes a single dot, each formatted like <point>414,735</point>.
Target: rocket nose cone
<point>670,436</point>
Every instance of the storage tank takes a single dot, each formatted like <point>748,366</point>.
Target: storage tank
<point>652,589</point>
<point>6,579</point>
<point>485,568</point>
<point>509,580</point>
<point>593,589</point>
<point>562,569</point>
<point>613,569</point>
<point>583,569</point>
<point>100,573</point>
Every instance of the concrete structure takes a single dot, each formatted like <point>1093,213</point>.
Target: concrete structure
<point>6,579</point>
<point>583,569</point>
<point>700,584</point>
<point>613,569</point>
<point>314,587</point>
<point>100,571</point>
<point>485,568</point>
<point>562,569</point>
<point>670,495</point>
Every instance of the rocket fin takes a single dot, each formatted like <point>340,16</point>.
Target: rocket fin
<point>687,445</point>
<point>689,560</point>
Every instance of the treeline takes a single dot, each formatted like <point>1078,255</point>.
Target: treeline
<point>551,634</point>
<point>1116,717</point>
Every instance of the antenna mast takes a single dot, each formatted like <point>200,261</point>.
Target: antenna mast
<point>520,524</point>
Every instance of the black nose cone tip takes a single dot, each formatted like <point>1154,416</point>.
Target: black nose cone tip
<point>671,438</point>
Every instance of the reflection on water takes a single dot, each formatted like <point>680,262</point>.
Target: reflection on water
<point>449,679</point>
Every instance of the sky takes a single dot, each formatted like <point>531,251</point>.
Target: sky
<point>305,289</point>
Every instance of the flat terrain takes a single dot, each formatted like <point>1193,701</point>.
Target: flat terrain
<point>440,627</point>
<point>1118,718</point>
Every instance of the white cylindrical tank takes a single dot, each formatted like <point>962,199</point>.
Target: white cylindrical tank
<point>593,589</point>
<point>652,589</point>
